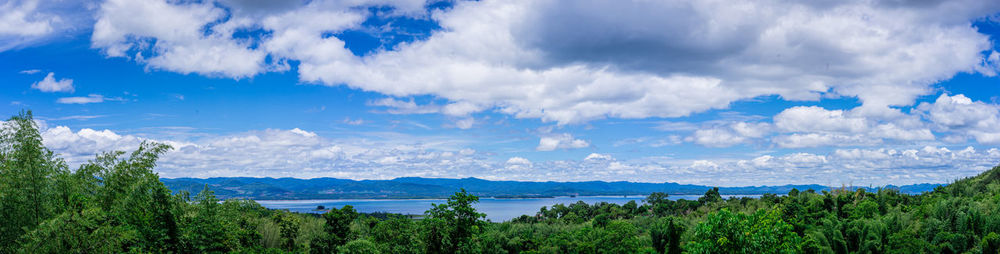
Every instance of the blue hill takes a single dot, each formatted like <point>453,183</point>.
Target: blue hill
<point>417,187</point>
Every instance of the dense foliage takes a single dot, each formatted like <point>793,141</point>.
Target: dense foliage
<point>116,203</point>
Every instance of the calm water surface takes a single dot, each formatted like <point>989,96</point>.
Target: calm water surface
<point>495,209</point>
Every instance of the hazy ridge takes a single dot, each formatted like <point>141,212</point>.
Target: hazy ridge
<point>417,187</point>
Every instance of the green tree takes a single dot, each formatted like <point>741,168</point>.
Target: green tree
<point>666,235</point>
<point>28,172</point>
<point>728,232</point>
<point>990,243</point>
<point>125,207</point>
<point>398,234</point>
<point>337,228</point>
<point>711,196</point>
<point>203,232</point>
<point>461,222</point>
<point>359,246</point>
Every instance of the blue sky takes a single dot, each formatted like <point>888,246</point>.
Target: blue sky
<point>703,92</point>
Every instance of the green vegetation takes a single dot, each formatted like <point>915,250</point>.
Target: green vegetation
<point>116,204</point>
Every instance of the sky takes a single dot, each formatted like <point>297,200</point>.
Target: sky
<point>769,92</point>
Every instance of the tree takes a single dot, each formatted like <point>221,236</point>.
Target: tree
<point>711,196</point>
<point>657,198</point>
<point>728,232</point>
<point>631,208</point>
<point>991,243</point>
<point>617,236</point>
<point>204,231</point>
<point>460,220</point>
<point>666,236</point>
<point>128,190</point>
<point>360,246</point>
<point>113,205</point>
<point>337,228</point>
<point>27,179</point>
<point>398,234</point>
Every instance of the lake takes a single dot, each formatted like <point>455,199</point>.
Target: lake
<point>495,209</point>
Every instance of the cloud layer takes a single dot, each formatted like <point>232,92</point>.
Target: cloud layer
<point>533,59</point>
<point>567,63</point>
<point>300,153</point>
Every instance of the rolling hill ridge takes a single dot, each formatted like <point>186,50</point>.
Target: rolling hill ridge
<point>418,187</point>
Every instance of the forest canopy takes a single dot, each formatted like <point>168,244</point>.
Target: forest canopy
<point>116,203</point>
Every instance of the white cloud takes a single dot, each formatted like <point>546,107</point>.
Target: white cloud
<point>175,37</point>
<point>404,107</point>
<point>461,108</point>
<point>350,121</point>
<point>815,119</point>
<point>21,22</point>
<point>31,71</point>
<point>91,98</point>
<point>730,134</point>
<point>49,84</point>
<point>518,161</point>
<point>560,141</point>
<point>20,18</point>
<point>515,56</point>
<point>302,153</point>
<point>798,140</point>
<point>959,114</point>
<point>465,123</point>
<point>276,153</point>
<point>676,126</point>
<point>815,126</point>
<point>705,166</point>
<point>717,138</point>
<point>598,157</point>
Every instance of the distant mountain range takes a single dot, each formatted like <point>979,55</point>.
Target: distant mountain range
<point>416,187</point>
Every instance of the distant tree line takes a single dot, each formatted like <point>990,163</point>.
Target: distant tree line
<point>115,203</point>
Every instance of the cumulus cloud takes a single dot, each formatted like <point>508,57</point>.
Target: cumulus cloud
<point>49,84</point>
<point>959,114</point>
<point>275,153</point>
<point>812,118</point>
<point>22,22</point>
<point>876,166</point>
<point>716,138</point>
<point>303,153</point>
<point>730,134</point>
<point>517,164</point>
<point>174,37</point>
<point>518,161</point>
<point>950,118</point>
<point>513,56</point>
<point>811,126</point>
<point>560,141</point>
<point>26,23</point>
<point>20,18</point>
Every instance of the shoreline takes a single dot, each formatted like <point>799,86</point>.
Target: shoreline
<point>494,198</point>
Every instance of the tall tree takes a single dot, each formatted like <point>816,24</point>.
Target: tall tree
<point>462,220</point>
<point>204,232</point>
<point>27,176</point>
<point>666,236</point>
<point>337,228</point>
